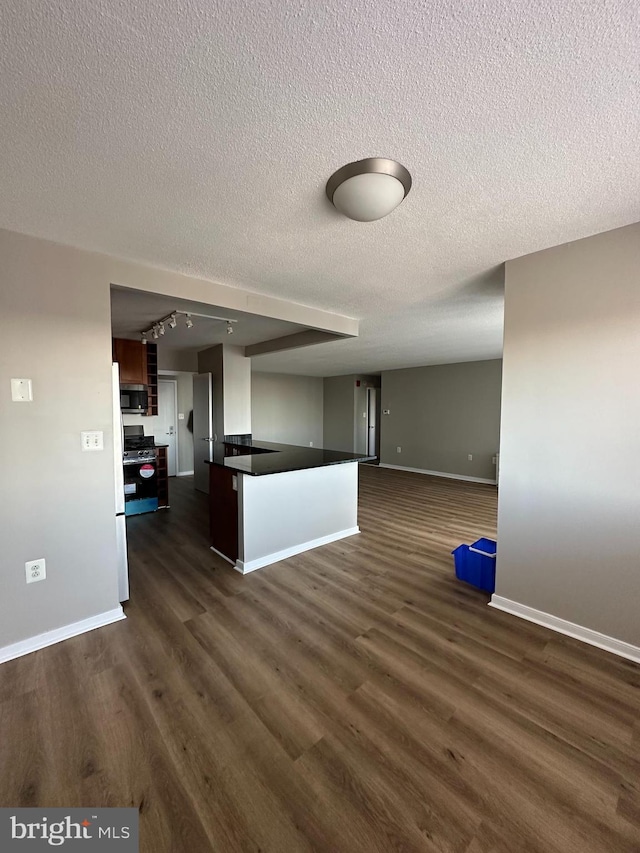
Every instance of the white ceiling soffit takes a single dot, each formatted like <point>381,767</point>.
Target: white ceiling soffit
<point>133,311</point>
<point>199,136</point>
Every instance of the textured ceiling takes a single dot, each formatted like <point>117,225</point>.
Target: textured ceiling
<point>199,135</point>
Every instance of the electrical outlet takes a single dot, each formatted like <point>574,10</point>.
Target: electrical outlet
<point>386,411</point>
<point>35,570</point>
<point>470,457</point>
<point>398,450</point>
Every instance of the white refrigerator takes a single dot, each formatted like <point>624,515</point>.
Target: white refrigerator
<point>121,524</point>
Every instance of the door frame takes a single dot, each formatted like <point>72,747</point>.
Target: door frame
<point>163,374</point>
<point>374,392</point>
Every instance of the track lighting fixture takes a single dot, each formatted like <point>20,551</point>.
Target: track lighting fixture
<point>159,328</point>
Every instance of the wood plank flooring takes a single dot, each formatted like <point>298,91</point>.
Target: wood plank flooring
<point>353,698</point>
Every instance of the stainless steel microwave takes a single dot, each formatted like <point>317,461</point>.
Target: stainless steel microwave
<point>133,399</point>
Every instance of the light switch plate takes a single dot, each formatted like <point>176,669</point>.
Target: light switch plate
<point>93,440</point>
<point>21,391</point>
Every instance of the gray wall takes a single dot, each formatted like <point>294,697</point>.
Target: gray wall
<point>287,408</point>
<point>57,502</point>
<point>345,403</point>
<point>231,377</point>
<point>210,361</point>
<point>569,504</point>
<point>237,391</point>
<point>338,413</point>
<point>440,414</point>
<point>181,361</point>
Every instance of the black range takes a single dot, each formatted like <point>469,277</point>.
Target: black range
<point>265,457</point>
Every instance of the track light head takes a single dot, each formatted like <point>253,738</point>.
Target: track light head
<point>154,333</point>
<point>172,322</point>
<point>143,337</point>
<point>189,321</point>
<point>229,328</point>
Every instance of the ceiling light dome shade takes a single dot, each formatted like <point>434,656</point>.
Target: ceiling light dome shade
<point>368,189</point>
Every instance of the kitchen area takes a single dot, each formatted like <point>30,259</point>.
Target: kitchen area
<point>144,455</point>
<point>266,500</point>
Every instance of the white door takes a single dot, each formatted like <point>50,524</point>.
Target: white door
<point>166,429</point>
<point>372,425</point>
<point>202,429</point>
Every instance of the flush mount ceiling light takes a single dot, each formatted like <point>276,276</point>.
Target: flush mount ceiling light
<point>368,189</point>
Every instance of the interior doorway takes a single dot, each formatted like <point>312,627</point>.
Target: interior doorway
<point>373,421</point>
<point>166,429</point>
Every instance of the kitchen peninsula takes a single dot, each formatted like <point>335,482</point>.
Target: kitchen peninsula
<point>270,501</point>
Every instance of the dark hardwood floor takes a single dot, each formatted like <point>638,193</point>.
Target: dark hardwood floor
<point>354,698</point>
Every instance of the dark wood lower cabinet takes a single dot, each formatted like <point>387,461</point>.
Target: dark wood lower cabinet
<point>223,508</point>
<point>162,474</point>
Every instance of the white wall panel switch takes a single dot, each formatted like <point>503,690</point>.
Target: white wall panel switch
<point>180,416</point>
<point>470,457</point>
<point>35,570</point>
<point>21,391</point>
<point>398,449</point>
<point>92,440</point>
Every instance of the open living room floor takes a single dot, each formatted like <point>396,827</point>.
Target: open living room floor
<point>353,698</point>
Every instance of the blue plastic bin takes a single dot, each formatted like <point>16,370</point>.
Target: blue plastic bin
<point>476,564</point>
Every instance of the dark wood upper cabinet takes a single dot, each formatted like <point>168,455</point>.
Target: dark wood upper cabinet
<point>132,358</point>
<point>138,366</point>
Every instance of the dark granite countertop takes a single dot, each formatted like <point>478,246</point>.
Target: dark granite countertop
<point>266,457</point>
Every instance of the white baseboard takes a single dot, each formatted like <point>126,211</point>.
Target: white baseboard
<point>224,556</point>
<point>184,474</point>
<point>41,641</point>
<point>438,474</point>
<point>561,626</point>
<point>261,562</point>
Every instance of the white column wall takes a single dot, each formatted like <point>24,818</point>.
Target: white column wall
<point>284,514</point>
